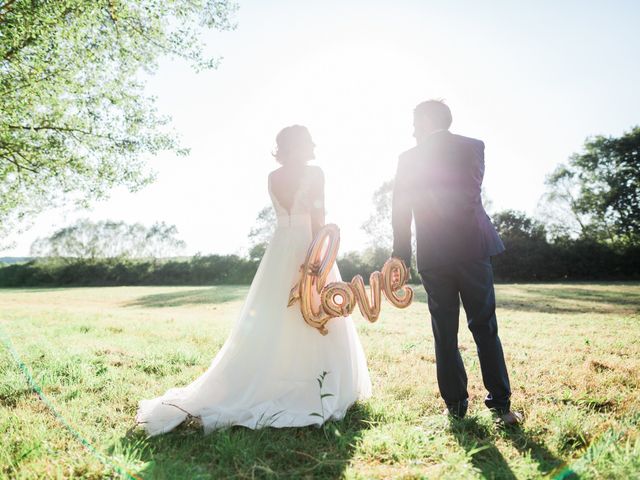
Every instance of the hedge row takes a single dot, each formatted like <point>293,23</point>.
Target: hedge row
<point>525,260</point>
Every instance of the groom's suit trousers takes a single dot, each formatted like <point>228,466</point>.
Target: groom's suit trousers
<point>472,282</point>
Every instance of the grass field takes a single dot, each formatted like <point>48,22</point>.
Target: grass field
<point>573,351</point>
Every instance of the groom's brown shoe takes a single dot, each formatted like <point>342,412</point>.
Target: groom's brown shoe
<point>510,418</point>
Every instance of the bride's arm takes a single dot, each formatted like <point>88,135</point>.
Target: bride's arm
<point>317,201</point>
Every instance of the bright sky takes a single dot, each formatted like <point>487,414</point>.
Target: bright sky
<point>531,79</point>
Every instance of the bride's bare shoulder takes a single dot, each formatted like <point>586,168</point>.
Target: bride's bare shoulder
<point>316,172</point>
<point>275,173</point>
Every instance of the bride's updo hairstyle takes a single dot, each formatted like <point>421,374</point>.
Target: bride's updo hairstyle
<point>294,145</point>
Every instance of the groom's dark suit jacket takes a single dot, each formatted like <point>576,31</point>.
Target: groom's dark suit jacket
<point>439,182</point>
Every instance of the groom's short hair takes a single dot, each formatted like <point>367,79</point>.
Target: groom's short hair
<point>437,111</point>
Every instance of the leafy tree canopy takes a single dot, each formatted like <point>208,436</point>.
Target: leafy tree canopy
<point>378,225</point>
<point>74,117</point>
<point>601,188</point>
<point>513,225</point>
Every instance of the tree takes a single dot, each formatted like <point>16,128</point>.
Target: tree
<point>601,187</point>
<point>528,255</point>
<point>75,120</point>
<point>380,230</point>
<point>558,208</point>
<point>517,226</point>
<point>487,203</point>
<point>262,232</point>
<point>107,239</point>
<point>378,225</point>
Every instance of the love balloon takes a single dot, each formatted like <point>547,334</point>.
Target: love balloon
<point>338,299</point>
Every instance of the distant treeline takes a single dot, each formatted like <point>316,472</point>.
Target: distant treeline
<point>589,230</point>
<point>567,260</point>
<point>197,270</point>
<point>526,260</point>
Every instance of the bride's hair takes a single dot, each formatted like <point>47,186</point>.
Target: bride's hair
<point>294,145</point>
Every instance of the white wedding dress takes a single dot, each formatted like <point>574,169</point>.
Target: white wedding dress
<point>266,373</point>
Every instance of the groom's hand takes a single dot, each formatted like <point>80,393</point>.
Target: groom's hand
<point>395,274</point>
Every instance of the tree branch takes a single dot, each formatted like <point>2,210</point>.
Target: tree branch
<point>48,127</point>
<point>164,48</point>
<point>4,8</point>
<point>27,84</point>
<point>18,166</point>
<point>72,130</point>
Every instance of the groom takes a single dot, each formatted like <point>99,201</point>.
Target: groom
<point>438,182</point>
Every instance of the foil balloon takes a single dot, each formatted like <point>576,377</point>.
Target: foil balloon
<point>391,285</point>
<point>320,302</point>
<point>338,299</point>
<point>369,309</point>
<point>320,258</point>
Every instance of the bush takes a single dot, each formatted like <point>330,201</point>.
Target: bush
<point>566,260</point>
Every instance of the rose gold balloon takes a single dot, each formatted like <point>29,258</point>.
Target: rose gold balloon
<point>369,309</point>
<point>319,303</point>
<point>390,287</point>
<point>320,258</point>
<point>294,293</point>
<point>338,299</point>
<point>315,270</point>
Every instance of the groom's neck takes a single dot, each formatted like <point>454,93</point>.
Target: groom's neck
<point>425,136</point>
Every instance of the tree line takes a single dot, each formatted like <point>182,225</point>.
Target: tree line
<point>525,260</point>
<point>588,229</point>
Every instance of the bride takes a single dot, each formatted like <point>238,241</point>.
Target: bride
<point>266,373</point>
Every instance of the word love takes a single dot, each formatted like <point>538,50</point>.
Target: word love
<point>338,299</point>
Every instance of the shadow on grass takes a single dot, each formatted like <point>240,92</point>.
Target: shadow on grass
<point>526,444</point>
<point>476,438</point>
<point>561,299</point>
<point>38,289</point>
<point>306,452</point>
<point>213,296</point>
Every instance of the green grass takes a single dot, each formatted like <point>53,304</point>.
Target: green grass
<point>573,351</point>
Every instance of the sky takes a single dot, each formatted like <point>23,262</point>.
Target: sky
<point>531,79</point>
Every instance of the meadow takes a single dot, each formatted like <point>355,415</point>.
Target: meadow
<point>573,351</point>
